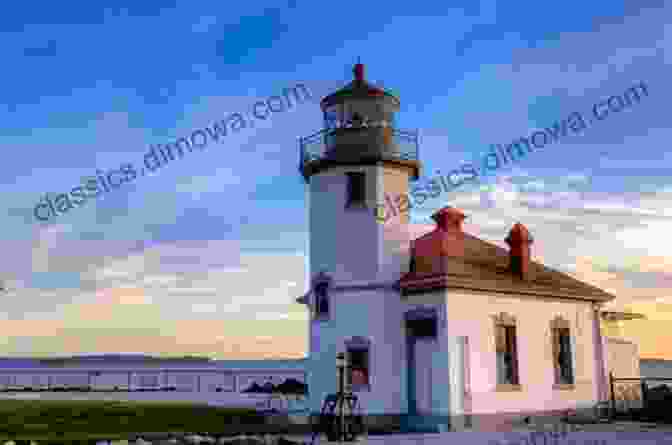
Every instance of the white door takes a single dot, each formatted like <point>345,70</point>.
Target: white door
<point>424,350</point>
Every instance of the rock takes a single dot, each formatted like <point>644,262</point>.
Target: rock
<point>193,439</point>
<point>241,440</point>
<point>283,441</point>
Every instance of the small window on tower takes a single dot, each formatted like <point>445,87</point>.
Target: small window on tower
<point>359,367</point>
<point>321,300</point>
<point>356,190</point>
<point>331,118</point>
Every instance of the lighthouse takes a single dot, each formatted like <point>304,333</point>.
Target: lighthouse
<point>357,161</point>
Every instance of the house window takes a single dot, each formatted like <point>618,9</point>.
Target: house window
<point>507,351</point>
<point>358,360</point>
<point>356,189</point>
<point>562,352</point>
<point>321,292</point>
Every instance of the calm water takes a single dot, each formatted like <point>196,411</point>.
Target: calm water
<point>655,368</point>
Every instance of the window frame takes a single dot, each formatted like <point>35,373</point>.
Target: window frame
<point>507,324</point>
<point>361,345</point>
<point>321,279</point>
<point>558,327</point>
<point>350,188</point>
<point>322,300</point>
<point>331,120</point>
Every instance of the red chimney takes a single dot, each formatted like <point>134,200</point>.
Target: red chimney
<point>359,72</point>
<point>519,241</point>
<point>449,219</point>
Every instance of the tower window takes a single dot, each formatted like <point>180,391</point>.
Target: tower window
<point>331,118</point>
<point>358,360</point>
<point>356,189</point>
<point>321,300</point>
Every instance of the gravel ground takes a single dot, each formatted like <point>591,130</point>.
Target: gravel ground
<point>205,439</point>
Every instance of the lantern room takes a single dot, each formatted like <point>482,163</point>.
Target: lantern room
<point>359,129</point>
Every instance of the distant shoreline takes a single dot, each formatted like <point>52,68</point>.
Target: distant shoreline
<point>655,367</point>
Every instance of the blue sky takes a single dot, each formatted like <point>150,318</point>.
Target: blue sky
<point>207,254</point>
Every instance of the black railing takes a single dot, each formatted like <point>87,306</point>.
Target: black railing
<point>384,142</point>
<point>641,398</point>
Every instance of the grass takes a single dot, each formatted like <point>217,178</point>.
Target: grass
<point>86,419</point>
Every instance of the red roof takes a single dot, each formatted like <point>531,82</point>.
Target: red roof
<point>447,257</point>
<point>358,88</point>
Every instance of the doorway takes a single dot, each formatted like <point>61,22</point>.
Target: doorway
<point>421,344</point>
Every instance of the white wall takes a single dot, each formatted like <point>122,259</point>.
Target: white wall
<point>70,379</point>
<point>211,381</point>
<point>108,380</point>
<point>350,244</point>
<point>31,379</point>
<point>470,315</point>
<point>375,315</point>
<point>355,249</point>
<point>622,358</point>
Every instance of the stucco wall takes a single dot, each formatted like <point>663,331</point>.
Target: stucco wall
<point>354,248</point>
<point>350,243</point>
<point>470,315</point>
<point>375,315</point>
<point>622,358</point>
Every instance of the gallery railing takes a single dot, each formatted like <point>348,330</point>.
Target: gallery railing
<point>351,144</point>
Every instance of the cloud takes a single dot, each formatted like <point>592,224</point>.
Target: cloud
<point>157,265</point>
<point>181,290</point>
<point>204,307</point>
<point>122,296</point>
<point>196,186</point>
<point>55,280</point>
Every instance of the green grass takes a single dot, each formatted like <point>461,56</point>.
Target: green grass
<point>85,419</point>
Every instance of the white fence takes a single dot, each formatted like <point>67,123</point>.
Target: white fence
<point>234,387</point>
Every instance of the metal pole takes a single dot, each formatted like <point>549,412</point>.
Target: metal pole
<point>341,388</point>
<point>613,395</point>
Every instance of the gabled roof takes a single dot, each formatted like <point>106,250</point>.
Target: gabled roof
<point>453,259</point>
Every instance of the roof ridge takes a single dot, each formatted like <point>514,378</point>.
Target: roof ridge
<point>490,258</point>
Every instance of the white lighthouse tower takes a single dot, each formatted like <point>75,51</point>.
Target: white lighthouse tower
<point>354,167</point>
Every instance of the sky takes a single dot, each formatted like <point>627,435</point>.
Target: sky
<point>207,254</point>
